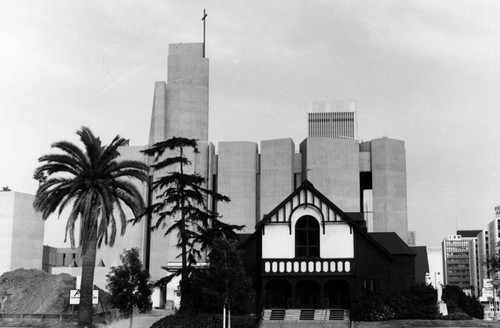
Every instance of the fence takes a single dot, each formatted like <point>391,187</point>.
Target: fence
<point>14,319</point>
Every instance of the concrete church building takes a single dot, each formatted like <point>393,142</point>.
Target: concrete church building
<point>367,178</point>
<point>21,235</point>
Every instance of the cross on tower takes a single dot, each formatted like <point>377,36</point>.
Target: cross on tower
<point>204,23</point>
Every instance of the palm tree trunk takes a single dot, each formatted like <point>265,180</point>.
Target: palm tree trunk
<point>85,314</point>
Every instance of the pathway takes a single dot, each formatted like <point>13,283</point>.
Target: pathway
<point>141,320</point>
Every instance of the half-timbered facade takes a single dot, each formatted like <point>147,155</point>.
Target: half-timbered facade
<point>308,253</point>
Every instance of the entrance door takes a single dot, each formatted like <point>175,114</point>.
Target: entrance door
<point>278,292</point>
<point>307,295</point>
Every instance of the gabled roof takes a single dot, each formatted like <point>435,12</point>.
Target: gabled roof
<point>308,195</point>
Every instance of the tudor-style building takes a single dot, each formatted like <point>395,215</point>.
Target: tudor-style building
<point>308,253</point>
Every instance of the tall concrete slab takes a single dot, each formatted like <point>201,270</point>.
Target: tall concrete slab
<point>187,92</point>
<point>276,173</point>
<point>180,106</point>
<point>237,179</point>
<point>388,164</point>
<point>332,166</point>
<point>180,109</point>
<point>21,234</point>
<point>6,233</point>
<point>135,235</point>
<point>158,115</point>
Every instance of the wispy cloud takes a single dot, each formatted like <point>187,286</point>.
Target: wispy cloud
<point>115,82</point>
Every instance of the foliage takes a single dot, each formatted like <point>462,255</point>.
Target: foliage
<point>371,306</point>
<point>457,316</point>
<point>181,205</point>
<point>128,284</point>
<point>457,301</point>
<point>94,185</point>
<point>225,279</point>
<point>416,302</point>
<point>204,320</point>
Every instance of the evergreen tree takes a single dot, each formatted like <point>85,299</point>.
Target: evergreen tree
<point>225,281</point>
<point>181,205</point>
<point>128,284</point>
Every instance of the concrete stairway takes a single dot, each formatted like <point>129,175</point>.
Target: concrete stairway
<point>310,318</point>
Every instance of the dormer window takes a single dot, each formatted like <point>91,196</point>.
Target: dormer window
<point>307,237</point>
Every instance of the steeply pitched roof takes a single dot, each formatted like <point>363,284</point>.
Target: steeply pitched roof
<point>355,221</point>
<point>392,242</point>
<point>307,186</point>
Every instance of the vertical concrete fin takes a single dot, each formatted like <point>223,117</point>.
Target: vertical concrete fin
<point>158,115</point>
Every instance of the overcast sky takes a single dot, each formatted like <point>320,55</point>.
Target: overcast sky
<point>426,72</point>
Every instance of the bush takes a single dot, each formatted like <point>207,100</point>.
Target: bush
<point>371,306</point>
<point>417,302</point>
<point>204,320</point>
<point>458,302</point>
<point>457,316</point>
<point>473,307</point>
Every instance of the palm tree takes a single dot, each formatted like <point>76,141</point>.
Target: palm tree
<point>94,185</point>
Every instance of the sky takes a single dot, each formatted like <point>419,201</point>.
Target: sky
<point>426,72</point>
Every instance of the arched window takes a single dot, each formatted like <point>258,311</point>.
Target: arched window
<point>307,237</point>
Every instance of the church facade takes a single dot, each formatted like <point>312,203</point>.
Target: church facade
<point>308,253</point>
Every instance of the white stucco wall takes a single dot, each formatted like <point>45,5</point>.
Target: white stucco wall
<point>277,242</point>
<point>337,242</point>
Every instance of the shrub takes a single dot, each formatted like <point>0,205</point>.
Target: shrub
<point>457,302</point>
<point>417,302</point>
<point>457,316</point>
<point>472,307</point>
<point>371,306</point>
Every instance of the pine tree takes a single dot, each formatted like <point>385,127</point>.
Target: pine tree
<point>181,205</point>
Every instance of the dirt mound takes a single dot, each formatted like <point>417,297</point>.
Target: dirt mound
<point>35,291</point>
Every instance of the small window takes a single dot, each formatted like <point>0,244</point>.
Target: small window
<point>370,284</point>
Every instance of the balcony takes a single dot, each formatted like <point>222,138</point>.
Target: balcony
<point>307,266</point>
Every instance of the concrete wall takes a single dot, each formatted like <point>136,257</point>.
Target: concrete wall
<point>100,279</point>
<point>6,233</point>
<point>159,113</point>
<point>187,92</point>
<point>135,235</point>
<point>276,173</point>
<point>180,109</point>
<point>388,161</point>
<point>21,236</point>
<point>237,179</point>
<point>332,166</point>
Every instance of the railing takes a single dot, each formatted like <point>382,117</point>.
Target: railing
<point>308,266</point>
<point>50,317</point>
